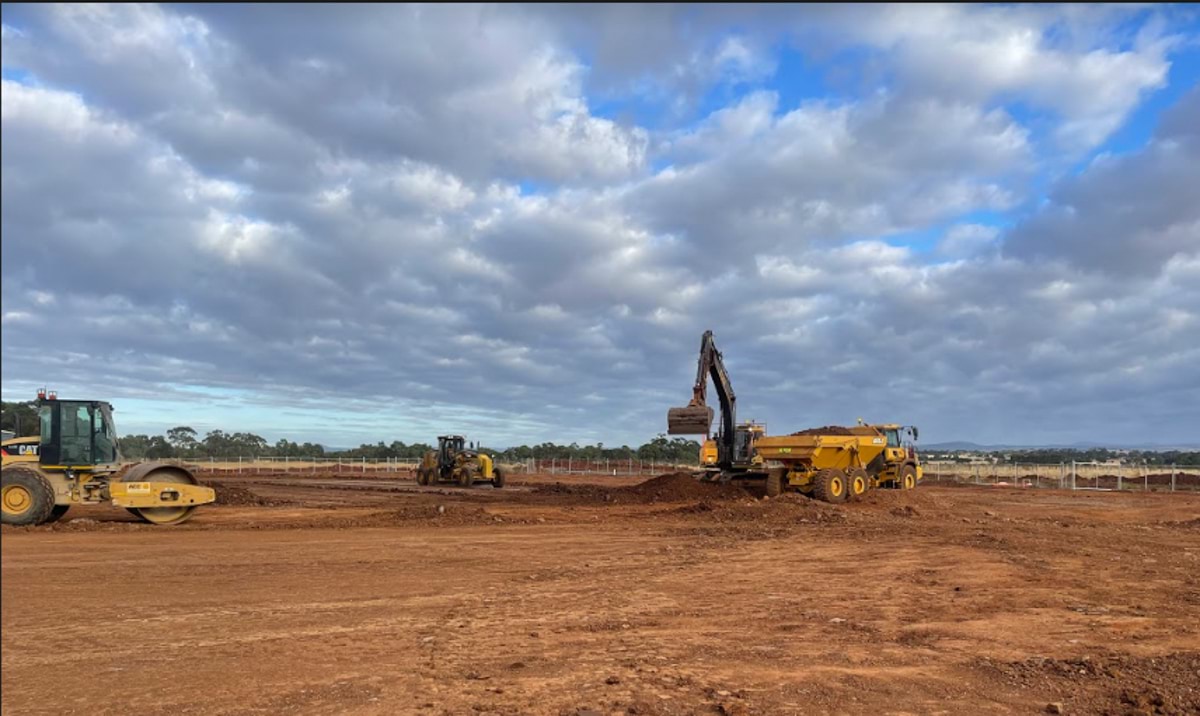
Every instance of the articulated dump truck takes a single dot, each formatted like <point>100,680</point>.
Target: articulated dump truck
<point>832,464</point>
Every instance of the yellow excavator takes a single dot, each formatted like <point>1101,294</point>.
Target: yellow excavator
<point>832,464</point>
<point>75,461</point>
<point>730,453</point>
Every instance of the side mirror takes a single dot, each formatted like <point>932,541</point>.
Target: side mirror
<point>916,433</point>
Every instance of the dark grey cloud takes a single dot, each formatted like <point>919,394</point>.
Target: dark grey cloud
<point>1126,214</point>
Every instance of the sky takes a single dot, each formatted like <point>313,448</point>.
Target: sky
<point>359,223</point>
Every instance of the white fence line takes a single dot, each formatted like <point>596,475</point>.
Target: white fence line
<point>350,465</point>
<point>1074,475</point>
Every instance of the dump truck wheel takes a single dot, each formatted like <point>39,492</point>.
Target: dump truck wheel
<point>57,513</point>
<point>498,479</point>
<point>775,481</point>
<point>422,476</point>
<point>28,497</point>
<point>163,473</point>
<point>830,486</point>
<point>907,479</point>
<point>857,483</point>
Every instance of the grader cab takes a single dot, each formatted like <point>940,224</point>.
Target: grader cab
<point>75,461</point>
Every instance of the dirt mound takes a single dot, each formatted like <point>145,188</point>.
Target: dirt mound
<point>1115,683</point>
<point>679,487</point>
<point>237,496</point>
<point>669,487</point>
<point>827,430</point>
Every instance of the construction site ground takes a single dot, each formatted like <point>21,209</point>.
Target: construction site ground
<point>594,595</point>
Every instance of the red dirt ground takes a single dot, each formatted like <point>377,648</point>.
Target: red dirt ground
<point>328,595</point>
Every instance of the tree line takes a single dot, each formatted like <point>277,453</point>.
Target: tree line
<point>1051,456</point>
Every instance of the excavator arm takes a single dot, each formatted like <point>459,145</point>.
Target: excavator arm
<point>696,418</point>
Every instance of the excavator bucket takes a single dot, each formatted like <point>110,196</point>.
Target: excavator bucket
<point>692,420</point>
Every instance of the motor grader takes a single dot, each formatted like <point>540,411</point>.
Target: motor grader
<point>454,462</point>
<point>831,464</point>
<point>76,461</point>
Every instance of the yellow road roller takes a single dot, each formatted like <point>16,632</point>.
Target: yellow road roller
<point>76,461</point>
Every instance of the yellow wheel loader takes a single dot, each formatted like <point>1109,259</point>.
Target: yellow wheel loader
<point>75,461</point>
<point>456,463</point>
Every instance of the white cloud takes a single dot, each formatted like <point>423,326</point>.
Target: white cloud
<point>344,207</point>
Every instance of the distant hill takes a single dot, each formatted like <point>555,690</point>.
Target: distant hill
<point>967,446</point>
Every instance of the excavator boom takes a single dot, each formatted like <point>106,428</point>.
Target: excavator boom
<point>696,417</point>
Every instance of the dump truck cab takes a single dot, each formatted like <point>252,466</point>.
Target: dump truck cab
<point>75,460</point>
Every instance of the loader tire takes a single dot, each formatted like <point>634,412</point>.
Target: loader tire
<point>422,476</point>
<point>906,479</point>
<point>857,483</point>
<point>775,481</point>
<point>829,485</point>
<point>28,497</point>
<point>497,478</point>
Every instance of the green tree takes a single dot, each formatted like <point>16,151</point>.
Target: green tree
<point>183,439</point>
<point>19,417</point>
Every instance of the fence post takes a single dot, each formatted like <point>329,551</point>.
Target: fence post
<point>364,464</point>
<point>239,464</point>
<point>1172,477</point>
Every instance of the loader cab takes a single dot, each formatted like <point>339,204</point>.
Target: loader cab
<point>76,433</point>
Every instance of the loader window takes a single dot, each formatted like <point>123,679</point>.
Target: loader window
<point>893,438</point>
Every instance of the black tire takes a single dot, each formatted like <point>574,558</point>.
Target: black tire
<point>497,478</point>
<point>857,483</point>
<point>422,476</point>
<point>466,477</point>
<point>57,513</point>
<point>775,481</point>
<point>830,486</point>
<point>28,497</point>
<point>906,478</point>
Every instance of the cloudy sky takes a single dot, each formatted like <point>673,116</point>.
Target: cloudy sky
<point>376,223</point>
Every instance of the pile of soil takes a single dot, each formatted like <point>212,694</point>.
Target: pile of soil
<point>679,487</point>
<point>1113,683</point>
<point>236,496</point>
<point>827,430</point>
<point>789,508</point>
<point>669,487</point>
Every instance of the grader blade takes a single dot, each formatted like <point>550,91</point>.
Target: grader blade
<point>692,420</point>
